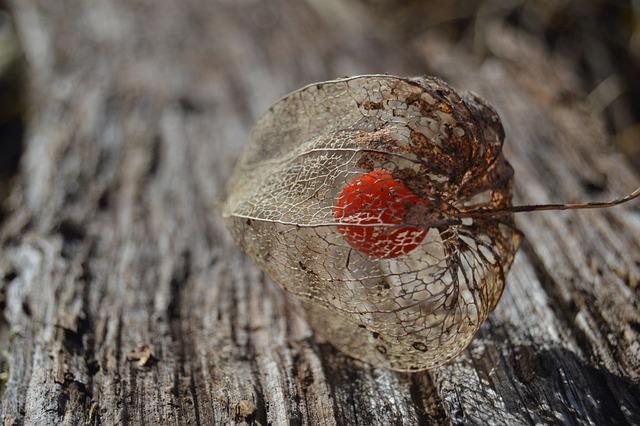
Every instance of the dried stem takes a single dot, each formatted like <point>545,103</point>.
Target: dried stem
<point>541,207</point>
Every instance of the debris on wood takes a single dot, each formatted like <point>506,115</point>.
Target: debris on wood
<point>143,355</point>
<point>244,409</point>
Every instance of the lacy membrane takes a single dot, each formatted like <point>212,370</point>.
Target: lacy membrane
<point>408,309</point>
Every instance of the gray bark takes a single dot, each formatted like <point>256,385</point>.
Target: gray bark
<point>127,302</point>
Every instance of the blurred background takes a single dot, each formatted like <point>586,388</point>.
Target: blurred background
<point>600,38</point>
<point>11,102</point>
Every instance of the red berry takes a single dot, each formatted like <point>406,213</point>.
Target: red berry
<point>378,198</point>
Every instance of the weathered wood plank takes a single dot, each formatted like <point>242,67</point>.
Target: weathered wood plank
<point>114,244</point>
<point>559,152</point>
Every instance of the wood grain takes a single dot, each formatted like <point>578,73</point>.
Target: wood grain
<point>127,302</point>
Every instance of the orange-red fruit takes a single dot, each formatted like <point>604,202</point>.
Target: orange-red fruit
<point>378,198</point>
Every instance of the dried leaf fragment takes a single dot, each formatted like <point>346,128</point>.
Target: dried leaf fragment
<point>142,355</point>
<point>244,408</point>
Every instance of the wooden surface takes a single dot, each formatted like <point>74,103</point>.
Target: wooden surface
<point>126,301</point>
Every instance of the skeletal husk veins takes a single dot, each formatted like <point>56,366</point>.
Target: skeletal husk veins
<point>294,207</point>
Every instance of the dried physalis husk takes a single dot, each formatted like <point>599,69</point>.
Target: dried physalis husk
<point>384,205</point>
